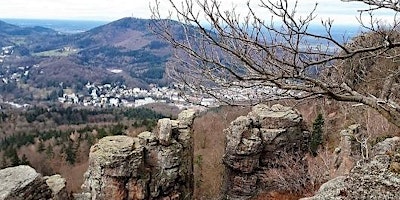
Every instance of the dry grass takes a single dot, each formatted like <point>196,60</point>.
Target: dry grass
<point>320,169</point>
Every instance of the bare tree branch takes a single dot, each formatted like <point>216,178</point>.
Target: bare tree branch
<point>246,59</point>
<point>378,4</point>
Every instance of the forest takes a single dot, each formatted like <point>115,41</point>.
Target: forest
<point>65,132</point>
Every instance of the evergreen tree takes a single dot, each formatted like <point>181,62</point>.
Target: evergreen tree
<point>316,136</point>
<point>70,153</point>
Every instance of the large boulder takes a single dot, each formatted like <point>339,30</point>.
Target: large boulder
<point>57,185</point>
<point>164,130</point>
<point>267,138</point>
<point>113,162</point>
<point>387,146</point>
<point>24,183</point>
<point>331,190</point>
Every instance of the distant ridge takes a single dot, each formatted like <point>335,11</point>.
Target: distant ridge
<point>127,45</point>
<point>6,28</point>
<point>62,26</point>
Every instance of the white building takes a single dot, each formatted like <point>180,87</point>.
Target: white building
<point>114,102</point>
<point>141,102</point>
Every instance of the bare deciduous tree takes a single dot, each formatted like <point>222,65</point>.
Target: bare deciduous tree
<point>257,57</point>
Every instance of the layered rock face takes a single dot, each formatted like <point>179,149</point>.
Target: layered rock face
<point>155,165</point>
<point>375,179</point>
<point>24,183</point>
<point>261,141</point>
<point>348,151</point>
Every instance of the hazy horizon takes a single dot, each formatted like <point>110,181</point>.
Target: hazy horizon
<point>64,26</point>
<point>103,10</point>
<point>76,26</point>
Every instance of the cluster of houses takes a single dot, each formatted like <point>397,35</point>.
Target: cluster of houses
<point>9,74</point>
<point>6,51</point>
<point>109,95</point>
<point>15,74</point>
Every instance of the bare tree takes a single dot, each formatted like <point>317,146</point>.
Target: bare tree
<point>251,58</point>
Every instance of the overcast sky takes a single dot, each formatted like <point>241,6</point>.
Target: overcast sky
<point>109,10</point>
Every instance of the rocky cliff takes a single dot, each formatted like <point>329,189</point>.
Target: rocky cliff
<point>264,152</point>
<point>156,165</point>
<point>376,178</point>
<point>260,145</point>
<point>24,183</point>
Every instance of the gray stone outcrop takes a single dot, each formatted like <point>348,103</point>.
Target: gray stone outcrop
<point>156,165</point>
<point>257,143</point>
<point>57,185</point>
<point>348,151</point>
<point>24,183</point>
<point>388,146</point>
<point>375,179</point>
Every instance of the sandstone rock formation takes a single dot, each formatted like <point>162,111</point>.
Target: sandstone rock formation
<point>348,151</point>
<point>155,165</point>
<point>375,179</point>
<point>267,138</point>
<point>57,185</point>
<point>24,183</point>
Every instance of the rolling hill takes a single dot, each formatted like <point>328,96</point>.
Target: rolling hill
<point>125,51</point>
